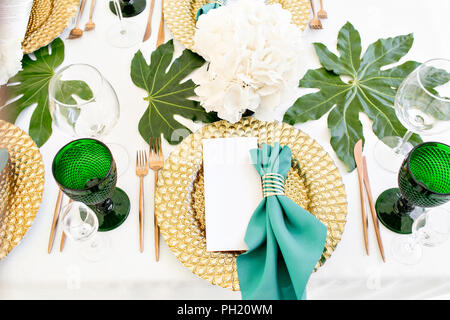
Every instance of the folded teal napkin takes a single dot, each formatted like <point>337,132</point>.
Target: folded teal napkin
<point>285,241</point>
<point>205,8</point>
<point>4,156</point>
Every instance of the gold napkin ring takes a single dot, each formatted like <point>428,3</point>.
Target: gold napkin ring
<point>273,184</point>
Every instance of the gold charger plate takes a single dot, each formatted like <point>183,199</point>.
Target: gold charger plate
<point>21,186</point>
<point>313,182</point>
<point>47,21</point>
<point>179,15</point>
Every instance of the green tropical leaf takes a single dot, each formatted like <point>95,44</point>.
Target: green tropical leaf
<point>167,95</point>
<point>369,90</point>
<point>30,86</point>
<point>66,90</point>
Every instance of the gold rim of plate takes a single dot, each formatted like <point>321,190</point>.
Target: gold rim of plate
<point>313,182</point>
<point>179,15</point>
<point>21,186</point>
<point>48,19</point>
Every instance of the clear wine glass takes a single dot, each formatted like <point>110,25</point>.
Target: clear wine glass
<point>422,104</point>
<point>430,229</point>
<point>123,34</point>
<point>83,104</point>
<point>80,225</point>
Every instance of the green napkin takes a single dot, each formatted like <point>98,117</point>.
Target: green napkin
<point>285,241</point>
<point>205,8</point>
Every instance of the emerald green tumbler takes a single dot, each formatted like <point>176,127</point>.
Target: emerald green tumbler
<point>86,172</point>
<point>424,182</point>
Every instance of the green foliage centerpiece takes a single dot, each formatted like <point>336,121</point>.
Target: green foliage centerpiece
<point>167,94</point>
<point>369,89</point>
<point>30,86</point>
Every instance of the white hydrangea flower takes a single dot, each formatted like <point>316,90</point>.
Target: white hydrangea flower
<point>253,53</point>
<point>10,59</point>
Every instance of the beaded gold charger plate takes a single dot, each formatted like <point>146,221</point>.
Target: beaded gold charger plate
<point>47,21</point>
<point>179,15</point>
<point>313,182</point>
<point>21,186</point>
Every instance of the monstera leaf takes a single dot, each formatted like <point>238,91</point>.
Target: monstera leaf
<point>30,86</point>
<point>167,95</point>
<point>369,90</point>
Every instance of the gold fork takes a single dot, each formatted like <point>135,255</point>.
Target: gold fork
<point>315,22</point>
<point>141,172</point>
<point>156,163</point>
<point>322,14</point>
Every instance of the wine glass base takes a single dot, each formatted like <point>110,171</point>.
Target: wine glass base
<point>115,217</point>
<point>389,153</point>
<point>406,251</point>
<point>389,214</point>
<point>123,37</point>
<point>95,249</point>
<point>129,9</point>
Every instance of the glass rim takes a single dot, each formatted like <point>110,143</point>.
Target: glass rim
<point>60,71</point>
<point>426,216</point>
<point>420,81</point>
<point>100,180</point>
<point>411,173</point>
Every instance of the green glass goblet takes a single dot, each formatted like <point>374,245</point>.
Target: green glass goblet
<point>129,8</point>
<point>424,182</point>
<point>86,172</point>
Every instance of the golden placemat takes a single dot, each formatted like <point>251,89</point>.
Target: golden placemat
<point>21,186</point>
<point>47,21</point>
<point>179,15</point>
<point>313,182</point>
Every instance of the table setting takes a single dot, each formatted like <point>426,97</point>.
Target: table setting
<point>224,150</point>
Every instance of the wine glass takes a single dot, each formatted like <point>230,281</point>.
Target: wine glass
<point>422,104</point>
<point>129,8</point>
<point>123,34</point>
<point>424,182</point>
<point>85,171</point>
<point>430,229</point>
<point>80,225</point>
<point>83,103</point>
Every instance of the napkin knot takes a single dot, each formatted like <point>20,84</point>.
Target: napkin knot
<point>273,184</point>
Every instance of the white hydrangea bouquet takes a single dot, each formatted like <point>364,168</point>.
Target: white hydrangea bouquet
<point>253,57</point>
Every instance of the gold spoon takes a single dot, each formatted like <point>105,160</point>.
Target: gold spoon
<point>77,32</point>
<point>90,25</point>
<point>315,22</point>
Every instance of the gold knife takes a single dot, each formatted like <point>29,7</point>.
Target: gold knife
<point>148,29</point>
<point>376,224</point>
<point>360,168</point>
<point>55,220</point>
<point>160,39</point>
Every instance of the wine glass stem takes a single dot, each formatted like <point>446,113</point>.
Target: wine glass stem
<point>405,139</point>
<point>404,206</point>
<point>119,14</point>
<point>415,241</point>
<point>106,206</point>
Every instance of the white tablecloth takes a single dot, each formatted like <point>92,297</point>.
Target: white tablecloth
<point>28,272</point>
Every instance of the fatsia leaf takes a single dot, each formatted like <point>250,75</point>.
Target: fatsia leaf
<point>30,86</point>
<point>369,90</point>
<point>167,94</point>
